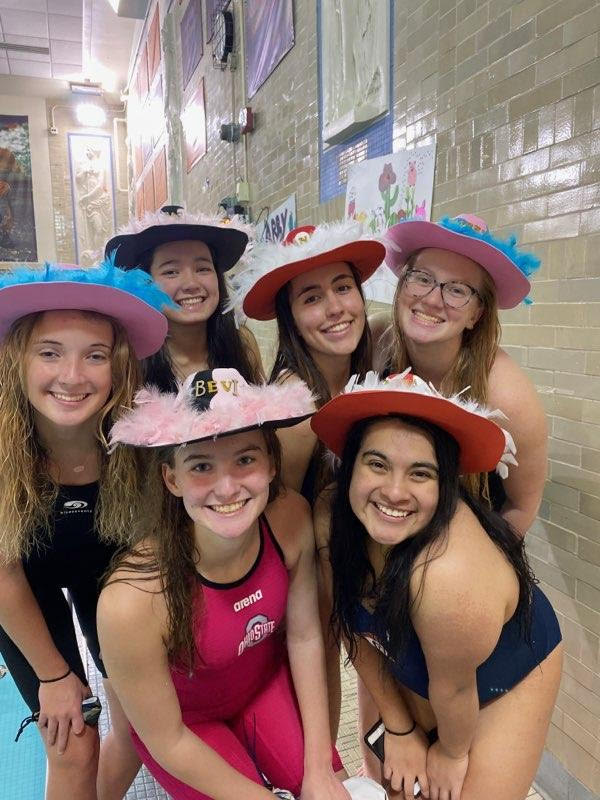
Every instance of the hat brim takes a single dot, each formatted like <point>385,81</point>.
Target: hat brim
<point>271,424</point>
<point>406,238</point>
<point>480,440</point>
<point>365,257</point>
<point>146,327</point>
<point>227,243</point>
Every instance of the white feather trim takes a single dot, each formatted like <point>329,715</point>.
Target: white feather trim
<point>407,382</point>
<point>183,217</point>
<point>265,257</point>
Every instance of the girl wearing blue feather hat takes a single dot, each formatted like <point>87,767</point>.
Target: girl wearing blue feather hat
<point>70,340</point>
<point>453,277</point>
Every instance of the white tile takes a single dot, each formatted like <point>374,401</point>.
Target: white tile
<point>65,52</point>
<point>67,72</point>
<point>73,8</point>
<point>24,23</point>
<point>24,5</point>
<point>30,40</point>
<point>65,28</point>
<point>32,69</point>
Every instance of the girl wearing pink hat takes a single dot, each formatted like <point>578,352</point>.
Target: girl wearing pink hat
<point>188,256</point>
<point>209,626</point>
<point>464,679</point>
<point>311,284</point>
<point>453,276</point>
<point>69,350</point>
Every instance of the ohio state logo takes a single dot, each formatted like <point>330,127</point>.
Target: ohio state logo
<point>257,629</point>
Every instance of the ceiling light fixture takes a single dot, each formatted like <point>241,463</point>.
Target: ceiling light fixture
<point>85,87</point>
<point>90,115</point>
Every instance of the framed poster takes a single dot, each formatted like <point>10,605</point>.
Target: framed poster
<point>191,40</point>
<point>17,221</point>
<point>92,194</point>
<point>159,171</point>
<point>193,121</point>
<point>153,46</point>
<point>269,26</point>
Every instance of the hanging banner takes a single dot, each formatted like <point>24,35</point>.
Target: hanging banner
<point>384,191</point>
<point>269,27</point>
<point>279,222</point>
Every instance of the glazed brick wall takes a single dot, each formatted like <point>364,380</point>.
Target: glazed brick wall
<point>510,93</point>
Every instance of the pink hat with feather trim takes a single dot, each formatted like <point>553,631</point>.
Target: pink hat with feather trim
<point>210,404</point>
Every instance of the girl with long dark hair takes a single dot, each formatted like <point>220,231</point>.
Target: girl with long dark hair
<point>311,284</point>
<point>432,592</point>
<point>188,256</point>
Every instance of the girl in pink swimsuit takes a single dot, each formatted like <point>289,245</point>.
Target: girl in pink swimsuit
<point>209,627</point>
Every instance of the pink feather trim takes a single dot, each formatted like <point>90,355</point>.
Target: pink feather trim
<point>163,419</point>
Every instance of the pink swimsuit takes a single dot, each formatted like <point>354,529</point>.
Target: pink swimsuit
<point>240,699</point>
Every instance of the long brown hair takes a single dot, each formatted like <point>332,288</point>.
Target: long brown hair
<point>294,358</point>
<point>28,491</point>
<point>168,552</point>
<point>475,358</point>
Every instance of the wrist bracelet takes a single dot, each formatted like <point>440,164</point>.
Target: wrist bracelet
<point>402,733</point>
<point>55,680</point>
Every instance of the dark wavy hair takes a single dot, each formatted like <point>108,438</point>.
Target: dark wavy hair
<point>174,558</point>
<point>292,353</point>
<point>226,347</point>
<point>354,578</point>
<point>294,358</point>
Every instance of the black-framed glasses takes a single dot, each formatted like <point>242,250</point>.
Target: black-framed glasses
<point>455,294</point>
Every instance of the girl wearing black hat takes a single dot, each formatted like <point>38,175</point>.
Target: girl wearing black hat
<point>188,255</point>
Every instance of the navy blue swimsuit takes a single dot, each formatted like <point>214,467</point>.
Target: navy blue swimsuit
<point>511,660</point>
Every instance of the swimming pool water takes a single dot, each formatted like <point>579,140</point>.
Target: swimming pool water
<point>22,763</point>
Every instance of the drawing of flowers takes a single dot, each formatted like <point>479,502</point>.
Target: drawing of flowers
<point>386,181</point>
<point>409,192</point>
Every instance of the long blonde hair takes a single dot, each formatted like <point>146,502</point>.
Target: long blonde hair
<point>27,491</point>
<point>475,358</point>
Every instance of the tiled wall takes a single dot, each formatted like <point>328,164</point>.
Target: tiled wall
<point>510,92</point>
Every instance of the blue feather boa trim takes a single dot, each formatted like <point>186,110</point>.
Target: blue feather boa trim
<point>136,282</point>
<point>526,262</point>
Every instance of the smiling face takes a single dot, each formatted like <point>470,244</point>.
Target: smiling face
<point>328,309</point>
<point>67,366</point>
<point>394,490</point>
<point>185,271</point>
<point>224,483</point>
<point>428,319</point>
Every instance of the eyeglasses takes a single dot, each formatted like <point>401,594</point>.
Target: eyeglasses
<point>455,294</point>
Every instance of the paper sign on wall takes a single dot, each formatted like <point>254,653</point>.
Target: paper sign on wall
<point>384,191</point>
<point>279,222</point>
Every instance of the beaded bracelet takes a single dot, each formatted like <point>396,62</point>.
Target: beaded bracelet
<point>55,680</point>
<point>402,733</point>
